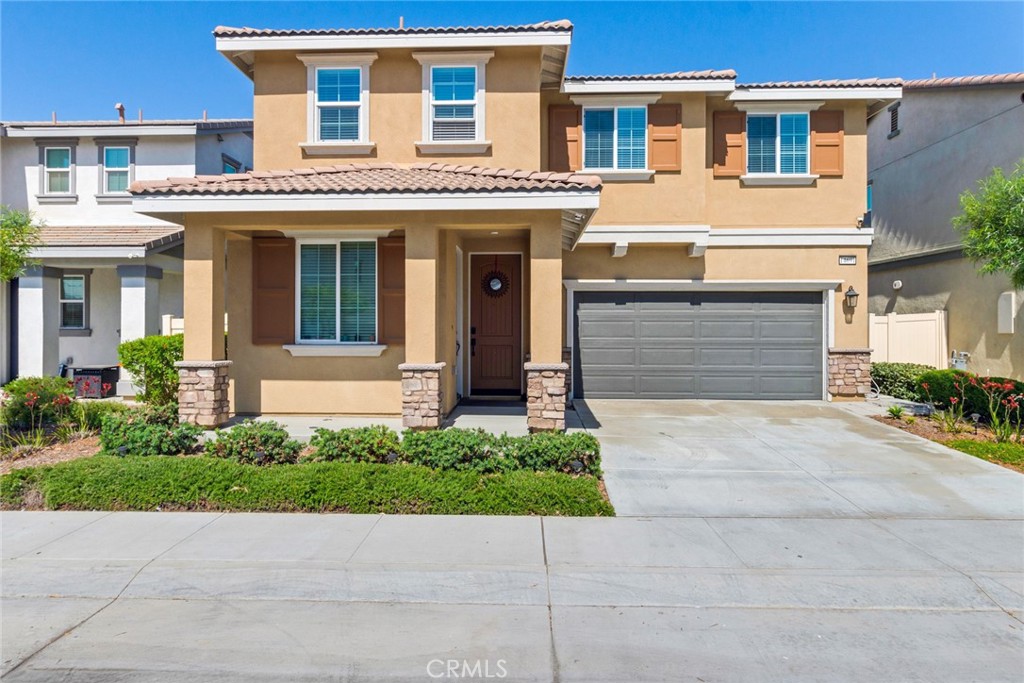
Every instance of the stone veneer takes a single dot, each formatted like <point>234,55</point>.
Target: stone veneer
<point>545,396</point>
<point>849,373</point>
<point>421,395</point>
<point>203,392</point>
<point>567,359</point>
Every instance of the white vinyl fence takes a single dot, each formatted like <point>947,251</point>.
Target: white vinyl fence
<point>909,338</point>
<point>170,325</point>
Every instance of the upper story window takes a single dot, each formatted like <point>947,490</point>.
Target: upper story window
<point>337,292</point>
<point>454,103</point>
<point>57,170</point>
<point>778,144</point>
<point>338,104</point>
<point>116,168</point>
<point>615,138</point>
<point>229,165</point>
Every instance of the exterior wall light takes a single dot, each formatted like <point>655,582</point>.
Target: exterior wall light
<point>851,297</point>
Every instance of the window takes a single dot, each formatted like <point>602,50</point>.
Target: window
<point>229,165</point>
<point>57,170</point>
<point>778,144</point>
<point>72,302</point>
<point>338,98</point>
<point>116,167</point>
<point>615,138</point>
<point>337,292</point>
<point>453,103</point>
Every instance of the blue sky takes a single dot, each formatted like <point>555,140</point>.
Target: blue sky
<point>79,58</point>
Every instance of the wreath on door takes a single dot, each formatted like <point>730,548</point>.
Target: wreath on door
<point>495,284</point>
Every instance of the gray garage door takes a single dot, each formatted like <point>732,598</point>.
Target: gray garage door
<point>698,345</point>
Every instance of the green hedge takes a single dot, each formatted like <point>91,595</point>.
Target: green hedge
<point>256,443</point>
<point>898,380</point>
<point>375,443</point>
<point>151,430</point>
<point>942,386</point>
<point>150,360</point>
<point>199,483</point>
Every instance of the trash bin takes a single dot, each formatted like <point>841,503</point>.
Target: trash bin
<point>95,381</point>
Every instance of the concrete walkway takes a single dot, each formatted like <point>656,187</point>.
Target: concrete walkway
<point>178,597</point>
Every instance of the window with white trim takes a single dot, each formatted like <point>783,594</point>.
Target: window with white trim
<point>338,100</point>
<point>614,138</point>
<point>116,169</point>
<point>72,302</point>
<point>338,103</point>
<point>337,292</point>
<point>453,103</point>
<point>57,170</point>
<point>778,144</point>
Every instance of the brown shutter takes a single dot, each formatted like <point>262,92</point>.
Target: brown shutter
<point>664,136</point>
<point>565,135</point>
<point>273,290</point>
<point>827,143</point>
<point>391,290</point>
<point>730,143</point>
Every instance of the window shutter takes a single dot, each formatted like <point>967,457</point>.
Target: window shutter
<point>391,290</point>
<point>564,136</point>
<point>730,143</point>
<point>827,143</point>
<point>273,290</point>
<point>664,137</point>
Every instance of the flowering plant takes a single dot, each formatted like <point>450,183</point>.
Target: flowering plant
<point>1003,408</point>
<point>953,415</point>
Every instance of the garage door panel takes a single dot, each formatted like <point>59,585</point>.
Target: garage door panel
<point>710,345</point>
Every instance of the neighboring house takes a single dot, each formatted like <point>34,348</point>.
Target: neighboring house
<point>105,274</point>
<point>940,140</point>
<point>440,213</point>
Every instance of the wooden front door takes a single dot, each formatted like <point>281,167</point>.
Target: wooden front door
<point>495,324</point>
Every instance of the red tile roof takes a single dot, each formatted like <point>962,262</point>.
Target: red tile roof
<point>233,32</point>
<point>962,81</point>
<point>109,236</point>
<point>360,178</point>
<point>672,76</point>
<point>834,83</point>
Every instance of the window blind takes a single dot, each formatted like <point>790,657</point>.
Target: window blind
<point>358,306</point>
<point>598,138</point>
<point>793,141</point>
<point>761,144</point>
<point>72,304</point>
<point>339,123</point>
<point>632,143</point>
<point>317,292</point>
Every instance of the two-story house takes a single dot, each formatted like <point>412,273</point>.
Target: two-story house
<point>103,273</point>
<point>439,213</point>
<point>944,136</point>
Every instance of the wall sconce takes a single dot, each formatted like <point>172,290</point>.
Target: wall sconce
<point>851,297</point>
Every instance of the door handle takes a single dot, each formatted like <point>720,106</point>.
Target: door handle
<point>472,346</point>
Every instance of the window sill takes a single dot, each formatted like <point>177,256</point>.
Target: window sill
<point>75,332</point>
<point>334,350</point>
<point>338,148</point>
<point>455,147</point>
<point>113,199</point>
<point>57,198</point>
<point>779,179</point>
<point>625,174</point>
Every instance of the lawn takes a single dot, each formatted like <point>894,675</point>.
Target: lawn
<point>1008,454</point>
<point>107,482</point>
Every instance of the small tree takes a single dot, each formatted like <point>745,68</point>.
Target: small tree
<point>992,224</point>
<point>19,235</point>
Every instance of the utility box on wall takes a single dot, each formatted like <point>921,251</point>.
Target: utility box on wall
<point>1005,312</point>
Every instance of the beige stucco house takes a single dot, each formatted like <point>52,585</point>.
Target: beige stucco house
<point>441,213</point>
<point>940,140</point>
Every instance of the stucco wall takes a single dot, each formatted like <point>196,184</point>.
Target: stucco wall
<point>970,300</point>
<point>512,111</point>
<point>5,332</point>
<point>209,150</point>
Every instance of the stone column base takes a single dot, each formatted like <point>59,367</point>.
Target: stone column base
<point>203,392</point>
<point>849,373</point>
<point>421,395</point>
<point>545,396</point>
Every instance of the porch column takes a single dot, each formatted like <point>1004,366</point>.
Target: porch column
<point>38,322</point>
<point>422,398</point>
<point>203,374</point>
<point>140,310</point>
<point>546,373</point>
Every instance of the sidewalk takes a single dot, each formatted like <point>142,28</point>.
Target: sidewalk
<point>262,597</point>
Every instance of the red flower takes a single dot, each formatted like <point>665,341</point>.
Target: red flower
<point>974,381</point>
<point>924,385</point>
<point>954,400</point>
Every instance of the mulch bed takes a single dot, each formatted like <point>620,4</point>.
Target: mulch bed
<point>931,430</point>
<point>54,453</point>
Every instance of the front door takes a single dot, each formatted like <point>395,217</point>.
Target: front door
<point>495,324</point>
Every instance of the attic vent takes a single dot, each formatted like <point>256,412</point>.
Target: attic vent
<point>894,120</point>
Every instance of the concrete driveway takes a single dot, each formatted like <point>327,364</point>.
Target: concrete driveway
<point>786,460</point>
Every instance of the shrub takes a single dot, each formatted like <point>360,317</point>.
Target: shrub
<point>459,449</point>
<point>376,443</point>
<point>151,430</point>
<point>33,402</point>
<point>573,453</point>
<point>150,360</point>
<point>898,379</point>
<point>89,414</point>
<point>941,386</point>
<point>255,443</point>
